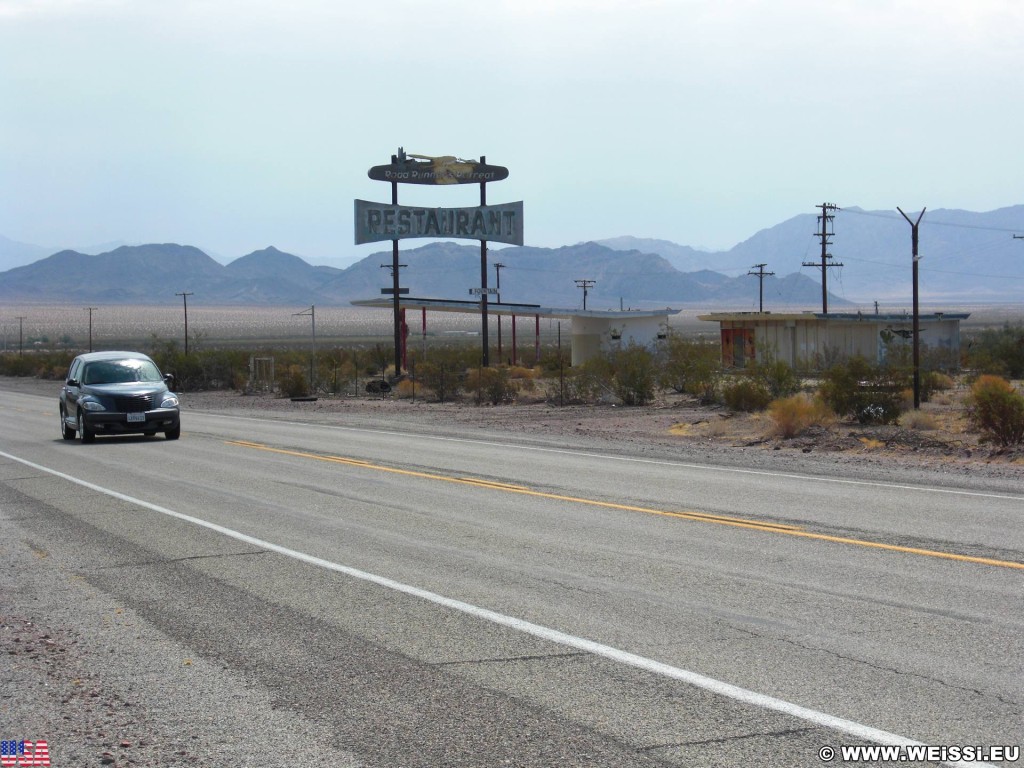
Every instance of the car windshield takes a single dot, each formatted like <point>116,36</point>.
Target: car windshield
<point>120,372</point>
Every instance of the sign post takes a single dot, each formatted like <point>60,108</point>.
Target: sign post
<point>378,221</point>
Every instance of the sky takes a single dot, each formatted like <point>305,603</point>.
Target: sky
<point>233,125</point>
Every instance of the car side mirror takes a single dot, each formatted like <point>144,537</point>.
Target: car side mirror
<point>169,380</point>
<point>72,383</point>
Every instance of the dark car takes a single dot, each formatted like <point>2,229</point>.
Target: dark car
<point>117,393</point>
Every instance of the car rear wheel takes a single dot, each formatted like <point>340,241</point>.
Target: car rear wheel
<point>65,431</point>
<point>173,434</point>
<point>84,433</point>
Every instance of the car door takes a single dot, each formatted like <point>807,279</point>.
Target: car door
<point>72,386</point>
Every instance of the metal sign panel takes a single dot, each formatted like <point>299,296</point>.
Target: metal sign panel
<point>437,170</point>
<point>375,222</point>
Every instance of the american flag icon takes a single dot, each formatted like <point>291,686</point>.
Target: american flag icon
<point>22,753</point>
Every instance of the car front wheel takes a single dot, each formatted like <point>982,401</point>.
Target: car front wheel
<point>173,434</point>
<point>84,433</point>
<point>66,432</point>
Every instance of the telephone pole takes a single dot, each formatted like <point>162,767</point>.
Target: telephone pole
<point>90,310</point>
<point>917,330</point>
<point>825,220</point>
<point>184,299</point>
<point>585,285</point>
<point>760,275</point>
<point>21,334</point>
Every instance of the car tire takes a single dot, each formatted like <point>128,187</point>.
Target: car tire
<point>173,434</point>
<point>85,434</point>
<point>65,431</point>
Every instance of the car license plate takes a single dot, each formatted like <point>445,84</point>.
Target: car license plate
<point>136,417</point>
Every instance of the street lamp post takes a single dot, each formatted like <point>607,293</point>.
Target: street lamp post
<point>917,329</point>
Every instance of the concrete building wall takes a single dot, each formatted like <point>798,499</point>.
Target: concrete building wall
<point>593,335</point>
<point>810,340</point>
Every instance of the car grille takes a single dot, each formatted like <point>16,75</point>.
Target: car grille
<point>134,404</point>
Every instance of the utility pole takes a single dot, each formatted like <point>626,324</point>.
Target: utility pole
<point>585,285</point>
<point>825,220</point>
<point>498,266</point>
<point>760,275</point>
<point>21,334</point>
<point>184,299</point>
<point>312,360</point>
<point>917,342</point>
<point>89,310</point>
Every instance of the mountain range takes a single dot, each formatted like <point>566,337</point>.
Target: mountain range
<point>967,257</point>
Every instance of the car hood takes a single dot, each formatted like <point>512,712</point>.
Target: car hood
<point>125,390</point>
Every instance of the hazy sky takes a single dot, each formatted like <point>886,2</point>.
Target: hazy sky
<point>232,125</point>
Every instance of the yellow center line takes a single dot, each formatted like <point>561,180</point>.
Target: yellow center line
<point>737,522</point>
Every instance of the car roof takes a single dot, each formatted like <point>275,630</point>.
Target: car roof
<point>89,357</point>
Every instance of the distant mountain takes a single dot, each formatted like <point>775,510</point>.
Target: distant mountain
<point>966,256</point>
<point>15,254</point>
<point>155,274</point>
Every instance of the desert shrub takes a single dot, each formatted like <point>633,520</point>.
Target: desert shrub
<point>869,393</point>
<point>519,372</point>
<point>939,382</point>
<point>794,414</point>
<point>45,365</point>
<point>777,376</point>
<point>491,384</point>
<point>405,389</point>
<point>689,366</point>
<point>634,374</point>
<point>996,409</point>
<point>998,351</point>
<point>293,383</point>
<point>588,381</point>
<point>921,420</point>
<point>746,394</point>
<point>443,380</point>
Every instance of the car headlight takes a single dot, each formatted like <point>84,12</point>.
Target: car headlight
<point>169,401</point>
<point>92,405</point>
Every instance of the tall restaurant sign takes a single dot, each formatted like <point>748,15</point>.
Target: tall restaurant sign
<point>382,221</point>
<point>496,223</point>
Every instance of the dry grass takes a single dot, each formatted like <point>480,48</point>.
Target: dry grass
<point>920,420</point>
<point>793,415</point>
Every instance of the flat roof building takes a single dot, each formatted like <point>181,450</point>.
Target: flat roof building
<point>813,340</point>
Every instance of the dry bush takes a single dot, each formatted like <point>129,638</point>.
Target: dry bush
<point>996,409</point>
<point>517,372</point>
<point>406,389</point>
<point>793,415</point>
<point>746,394</point>
<point>921,420</point>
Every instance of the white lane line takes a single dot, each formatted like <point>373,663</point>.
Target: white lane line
<point>719,687</point>
<point>635,460</point>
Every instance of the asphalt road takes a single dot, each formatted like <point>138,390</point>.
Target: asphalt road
<point>266,592</point>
